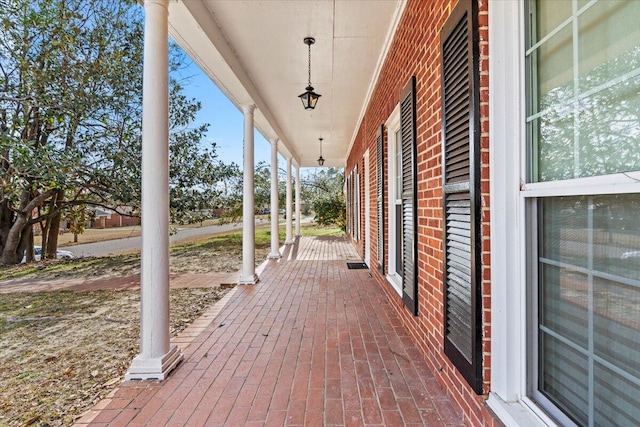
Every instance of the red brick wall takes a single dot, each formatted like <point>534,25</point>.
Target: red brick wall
<point>416,51</point>
<point>116,220</point>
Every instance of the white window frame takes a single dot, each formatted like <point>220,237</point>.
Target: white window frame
<point>511,196</point>
<point>393,127</point>
<point>508,397</point>
<point>356,203</point>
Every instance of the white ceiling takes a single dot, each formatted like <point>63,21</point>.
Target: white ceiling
<point>254,51</point>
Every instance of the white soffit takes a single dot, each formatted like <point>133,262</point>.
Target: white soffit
<point>253,50</point>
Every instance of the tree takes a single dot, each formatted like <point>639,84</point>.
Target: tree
<point>78,215</point>
<point>262,179</point>
<point>232,198</point>
<point>59,61</point>
<point>70,114</point>
<point>324,189</point>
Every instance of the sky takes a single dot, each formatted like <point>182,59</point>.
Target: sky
<point>227,122</point>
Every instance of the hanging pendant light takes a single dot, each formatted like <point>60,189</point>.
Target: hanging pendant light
<point>320,159</point>
<point>309,97</point>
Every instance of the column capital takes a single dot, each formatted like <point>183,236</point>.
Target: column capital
<point>163,3</point>
<point>248,108</point>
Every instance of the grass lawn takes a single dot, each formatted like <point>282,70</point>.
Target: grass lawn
<point>186,256</point>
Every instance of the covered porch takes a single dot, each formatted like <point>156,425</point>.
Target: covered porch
<point>312,343</point>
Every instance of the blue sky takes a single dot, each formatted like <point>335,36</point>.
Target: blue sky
<point>225,119</point>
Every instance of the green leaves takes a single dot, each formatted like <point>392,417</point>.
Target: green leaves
<point>324,191</point>
<point>71,102</point>
<point>71,92</point>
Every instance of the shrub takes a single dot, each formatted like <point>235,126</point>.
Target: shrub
<point>331,211</point>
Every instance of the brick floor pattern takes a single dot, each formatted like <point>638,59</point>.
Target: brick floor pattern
<point>313,344</point>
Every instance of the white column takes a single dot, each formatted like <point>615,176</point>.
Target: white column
<point>289,203</point>
<point>248,275</point>
<point>298,233</point>
<point>275,206</point>
<point>157,358</point>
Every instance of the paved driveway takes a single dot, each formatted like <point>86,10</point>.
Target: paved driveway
<point>112,247</point>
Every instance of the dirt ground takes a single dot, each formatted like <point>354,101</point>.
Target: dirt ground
<point>62,351</point>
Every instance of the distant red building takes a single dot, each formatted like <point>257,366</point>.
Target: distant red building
<point>107,218</point>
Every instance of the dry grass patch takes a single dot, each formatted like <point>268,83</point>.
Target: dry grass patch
<point>61,352</point>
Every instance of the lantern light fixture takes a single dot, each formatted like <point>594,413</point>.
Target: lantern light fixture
<point>321,159</point>
<point>309,97</point>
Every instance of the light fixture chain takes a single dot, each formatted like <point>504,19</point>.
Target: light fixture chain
<point>309,45</point>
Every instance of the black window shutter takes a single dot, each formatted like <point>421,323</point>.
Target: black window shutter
<point>349,205</point>
<point>461,192</point>
<point>380,195</point>
<point>409,196</point>
<point>353,203</point>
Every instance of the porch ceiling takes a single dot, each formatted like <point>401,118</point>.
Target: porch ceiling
<point>254,51</point>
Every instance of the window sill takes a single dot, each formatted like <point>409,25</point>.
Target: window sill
<point>396,283</point>
<point>516,414</point>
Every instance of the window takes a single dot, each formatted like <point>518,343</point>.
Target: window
<point>394,225</point>
<point>353,204</point>
<point>356,204</point>
<point>583,158</point>
<point>380,196</point>
<point>461,192</point>
<point>402,272</point>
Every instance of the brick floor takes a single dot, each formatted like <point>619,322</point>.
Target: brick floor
<point>313,344</point>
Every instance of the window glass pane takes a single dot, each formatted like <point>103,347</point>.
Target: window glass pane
<point>564,298</point>
<point>609,48</point>
<point>616,399</point>
<point>564,378</point>
<point>616,235</point>
<point>589,305</point>
<point>552,133</point>
<point>582,3</point>
<point>553,144</point>
<point>608,42</point>
<point>549,15</point>
<point>552,71</point>
<point>564,230</point>
<point>584,118</point>
<point>616,320</point>
<point>609,130</point>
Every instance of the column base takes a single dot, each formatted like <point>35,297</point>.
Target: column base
<point>290,242</point>
<point>154,369</point>
<point>248,280</point>
<point>274,255</point>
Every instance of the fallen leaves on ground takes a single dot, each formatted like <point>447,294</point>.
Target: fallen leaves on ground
<point>61,352</point>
